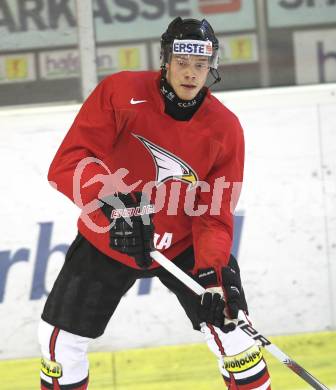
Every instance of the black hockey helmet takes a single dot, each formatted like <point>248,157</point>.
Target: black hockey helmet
<point>188,29</point>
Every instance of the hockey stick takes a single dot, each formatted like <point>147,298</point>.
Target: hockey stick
<point>242,324</point>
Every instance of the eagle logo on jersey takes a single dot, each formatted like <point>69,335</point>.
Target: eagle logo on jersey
<point>168,166</point>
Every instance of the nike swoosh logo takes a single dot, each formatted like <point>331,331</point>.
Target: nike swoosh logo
<point>133,101</point>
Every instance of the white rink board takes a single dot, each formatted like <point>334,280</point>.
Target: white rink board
<point>287,249</point>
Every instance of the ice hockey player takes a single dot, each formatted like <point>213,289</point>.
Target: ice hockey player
<point>152,158</point>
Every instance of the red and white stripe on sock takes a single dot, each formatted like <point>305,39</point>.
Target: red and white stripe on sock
<point>64,364</point>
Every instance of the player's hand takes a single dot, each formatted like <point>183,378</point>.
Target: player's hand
<point>211,309</point>
<point>132,228</point>
<point>229,289</point>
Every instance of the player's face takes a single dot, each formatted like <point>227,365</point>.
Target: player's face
<point>187,74</point>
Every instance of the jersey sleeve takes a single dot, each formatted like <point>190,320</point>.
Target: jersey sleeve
<point>213,230</point>
<point>91,136</point>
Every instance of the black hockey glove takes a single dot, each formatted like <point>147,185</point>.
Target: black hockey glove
<point>211,309</point>
<point>231,294</point>
<point>132,227</point>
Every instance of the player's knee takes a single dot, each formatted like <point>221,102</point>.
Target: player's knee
<point>74,343</point>
<point>240,360</point>
<point>64,355</point>
<point>74,346</point>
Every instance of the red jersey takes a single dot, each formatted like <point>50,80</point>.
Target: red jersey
<point>122,140</point>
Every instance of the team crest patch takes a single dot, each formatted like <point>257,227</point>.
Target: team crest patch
<point>168,166</point>
<point>51,369</point>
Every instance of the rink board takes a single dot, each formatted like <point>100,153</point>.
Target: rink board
<point>286,246</point>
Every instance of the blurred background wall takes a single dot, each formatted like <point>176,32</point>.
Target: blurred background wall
<point>264,43</point>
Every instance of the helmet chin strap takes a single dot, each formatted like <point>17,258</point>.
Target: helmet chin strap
<point>214,73</point>
<point>163,72</point>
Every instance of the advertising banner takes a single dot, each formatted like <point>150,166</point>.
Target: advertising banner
<point>17,68</point>
<point>62,64</point>
<point>286,13</point>
<point>239,49</point>
<point>315,56</point>
<point>50,23</point>
<point>150,22</point>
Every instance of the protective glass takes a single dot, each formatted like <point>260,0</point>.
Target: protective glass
<point>199,64</point>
